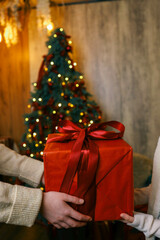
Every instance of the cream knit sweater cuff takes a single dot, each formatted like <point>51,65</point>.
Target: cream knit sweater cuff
<point>25,207</point>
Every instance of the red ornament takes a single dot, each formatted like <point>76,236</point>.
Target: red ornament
<point>28,152</point>
<point>50,83</point>
<point>68,48</point>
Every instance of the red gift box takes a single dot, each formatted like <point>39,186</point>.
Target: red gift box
<point>93,164</point>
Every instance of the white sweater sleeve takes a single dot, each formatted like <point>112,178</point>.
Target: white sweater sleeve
<point>146,224</point>
<point>141,195</point>
<point>26,169</point>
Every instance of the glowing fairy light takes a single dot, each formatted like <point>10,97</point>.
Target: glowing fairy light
<point>41,153</point>
<point>50,27</point>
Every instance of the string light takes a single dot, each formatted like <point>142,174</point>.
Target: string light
<point>62,94</point>
<point>75,64</point>
<point>77,85</point>
<point>81,77</point>
<point>70,42</point>
<point>59,75</point>
<point>54,111</point>
<point>40,99</point>
<point>41,153</point>
<point>24,144</point>
<point>34,134</point>
<point>40,142</point>
<point>70,66</point>
<point>46,69</point>
<point>81,113</point>
<point>36,145</point>
<point>67,111</point>
<point>63,83</point>
<point>56,127</point>
<point>26,119</point>
<point>80,120</point>
<point>29,106</point>
<point>50,27</point>
<point>40,112</point>
<point>55,35</point>
<point>31,155</point>
<point>34,99</point>
<point>59,104</point>
<point>37,120</point>
<point>69,61</point>
<point>29,130</point>
<point>66,78</point>
<point>34,84</point>
<point>61,29</point>
<point>52,63</point>
<point>91,122</point>
<point>49,46</point>
<point>46,138</point>
<point>49,79</point>
<point>29,135</point>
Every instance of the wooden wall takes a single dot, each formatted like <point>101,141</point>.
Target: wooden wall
<point>116,45</point>
<point>14,86</point>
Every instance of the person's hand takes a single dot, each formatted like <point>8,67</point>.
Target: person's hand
<point>56,210</point>
<point>126,218</point>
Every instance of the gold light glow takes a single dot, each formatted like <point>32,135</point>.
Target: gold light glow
<point>50,27</point>
<point>10,34</point>
<point>0,37</point>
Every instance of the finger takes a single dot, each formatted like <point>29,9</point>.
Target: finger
<point>64,224</point>
<point>72,199</point>
<point>57,225</point>
<point>73,223</point>
<point>126,217</point>
<point>79,216</point>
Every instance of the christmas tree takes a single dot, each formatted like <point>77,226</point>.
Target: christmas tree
<point>59,94</point>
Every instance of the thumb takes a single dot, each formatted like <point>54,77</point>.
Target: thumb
<point>73,199</point>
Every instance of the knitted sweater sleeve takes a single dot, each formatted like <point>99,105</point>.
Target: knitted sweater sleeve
<point>26,169</point>
<point>19,205</point>
<point>146,224</point>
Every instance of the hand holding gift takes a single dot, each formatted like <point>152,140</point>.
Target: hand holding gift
<point>56,210</point>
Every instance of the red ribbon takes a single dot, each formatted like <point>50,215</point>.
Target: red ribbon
<point>84,137</point>
<point>41,70</point>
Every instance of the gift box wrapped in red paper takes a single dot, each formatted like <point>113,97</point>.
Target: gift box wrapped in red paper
<point>93,164</point>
